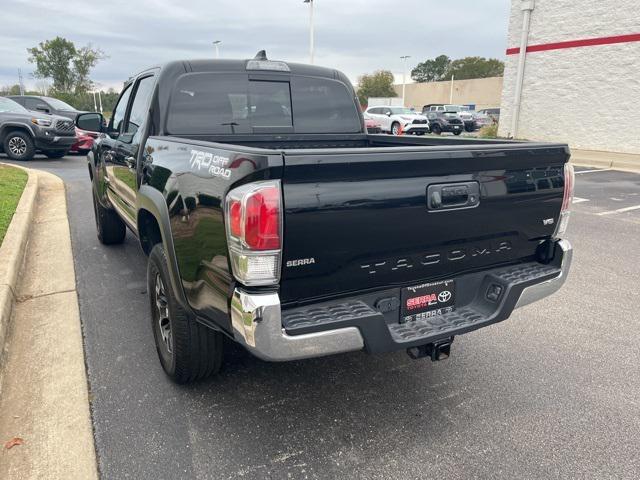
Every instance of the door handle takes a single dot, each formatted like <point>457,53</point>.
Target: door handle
<point>131,162</point>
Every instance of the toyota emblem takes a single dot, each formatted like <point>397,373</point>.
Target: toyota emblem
<point>444,296</point>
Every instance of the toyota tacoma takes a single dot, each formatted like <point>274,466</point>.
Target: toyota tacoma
<point>270,217</point>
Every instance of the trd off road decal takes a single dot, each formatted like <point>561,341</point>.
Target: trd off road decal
<point>214,164</point>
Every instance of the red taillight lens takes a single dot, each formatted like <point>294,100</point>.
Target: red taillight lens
<point>254,221</point>
<point>262,219</point>
<point>235,218</point>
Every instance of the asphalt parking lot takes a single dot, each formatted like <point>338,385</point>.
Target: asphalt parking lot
<point>553,392</point>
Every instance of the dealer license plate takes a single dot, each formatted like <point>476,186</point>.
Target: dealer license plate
<point>427,300</point>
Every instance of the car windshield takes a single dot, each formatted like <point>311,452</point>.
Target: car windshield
<point>59,104</point>
<point>8,105</point>
<point>401,111</point>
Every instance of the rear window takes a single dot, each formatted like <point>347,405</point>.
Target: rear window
<point>230,103</point>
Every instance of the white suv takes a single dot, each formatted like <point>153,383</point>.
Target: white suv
<point>393,119</point>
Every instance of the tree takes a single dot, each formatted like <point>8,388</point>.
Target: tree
<point>10,90</point>
<point>475,67</point>
<point>377,84</point>
<point>431,70</point>
<point>67,66</point>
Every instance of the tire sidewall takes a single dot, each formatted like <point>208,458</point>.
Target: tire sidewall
<point>158,265</point>
<point>29,151</point>
<point>395,125</point>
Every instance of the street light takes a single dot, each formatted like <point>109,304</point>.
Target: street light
<point>310,2</point>
<point>216,43</point>
<point>404,72</point>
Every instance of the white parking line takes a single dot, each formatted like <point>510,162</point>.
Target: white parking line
<point>620,210</point>
<point>579,200</point>
<point>595,170</point>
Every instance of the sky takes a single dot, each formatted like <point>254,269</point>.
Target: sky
<point>354,36</point>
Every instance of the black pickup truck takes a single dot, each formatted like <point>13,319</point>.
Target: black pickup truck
<point>271,217</point>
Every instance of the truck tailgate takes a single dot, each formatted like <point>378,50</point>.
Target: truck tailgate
<point>360,220</point>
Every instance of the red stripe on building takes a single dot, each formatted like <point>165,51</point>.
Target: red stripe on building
<point>587,42</point>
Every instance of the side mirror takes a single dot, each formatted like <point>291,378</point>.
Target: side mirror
<point>42,107</point>
<point>388,114</point>
<point>91,122</point>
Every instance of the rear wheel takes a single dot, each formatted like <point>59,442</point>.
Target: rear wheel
<point>436,129</point>
<point>188,350</point>
<point>55,153</point>
<point>18,145</point>
<point>111,229</point>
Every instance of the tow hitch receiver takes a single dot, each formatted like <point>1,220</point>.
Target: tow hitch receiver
<point>439,350</point>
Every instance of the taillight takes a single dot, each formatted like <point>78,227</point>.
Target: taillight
<point>569,181</point>
<point>254,229</point>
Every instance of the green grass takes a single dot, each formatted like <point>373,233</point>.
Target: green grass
<point>12,182</point>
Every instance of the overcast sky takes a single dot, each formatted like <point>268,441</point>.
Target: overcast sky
<point>355,36</point>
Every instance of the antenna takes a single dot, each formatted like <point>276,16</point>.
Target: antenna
<point>261,55</point>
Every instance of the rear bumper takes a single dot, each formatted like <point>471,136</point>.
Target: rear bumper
<point>272,334</point>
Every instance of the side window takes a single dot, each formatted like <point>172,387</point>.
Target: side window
<point>139,107</point>
<point>117,118</point>
<point>31,103</point>
<point>387,111</point>
<point>375,111</point>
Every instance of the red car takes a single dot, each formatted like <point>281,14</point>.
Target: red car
<point>84,141</point>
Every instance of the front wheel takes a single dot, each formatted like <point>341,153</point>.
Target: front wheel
<point>19,145</point>
<point>188,351</point>
<point>436,129</point>
<point>457,132</point>
<point>395,128</point>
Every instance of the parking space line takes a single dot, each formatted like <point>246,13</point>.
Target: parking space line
<point>620,210</point>
<point>579,200</point>
<point>593,171</point>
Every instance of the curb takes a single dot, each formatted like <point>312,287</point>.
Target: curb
<point>12,252</point>
<point>626,162</point>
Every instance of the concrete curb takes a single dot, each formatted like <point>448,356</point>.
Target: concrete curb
<point>12,252</point>
<point>627,162</point>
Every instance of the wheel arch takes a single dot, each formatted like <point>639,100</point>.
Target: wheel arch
<point>153,225</point>
<point>9,127</point>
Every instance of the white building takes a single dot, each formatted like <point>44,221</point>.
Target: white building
<point>581,75</point>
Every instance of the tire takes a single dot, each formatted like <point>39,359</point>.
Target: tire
<point>419,133</point>
<point>56,153</point>
<point>436,129</point>
<point>457,132</point>
<point>395,128</point>
<point>110,227</point>
<point>18,145</point>
<point>188,351</point>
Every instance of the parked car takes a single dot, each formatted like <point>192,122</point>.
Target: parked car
<point>493,113</point>
<point>395,120</point>
<point>22,132</point>
<point>373,126</point>
<point>49,105</point>
<point>84,141</point>
<point>361,242</point>
<point>482,120</point>
<point>441,121</point>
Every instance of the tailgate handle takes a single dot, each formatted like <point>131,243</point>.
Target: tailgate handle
<point>453,195</point>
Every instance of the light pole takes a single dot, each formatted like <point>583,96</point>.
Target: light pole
<point>404,72</point>
<point>311,46</point>
<point>217,43</point>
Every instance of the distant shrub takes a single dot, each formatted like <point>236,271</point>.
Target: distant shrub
<point>489,131</point>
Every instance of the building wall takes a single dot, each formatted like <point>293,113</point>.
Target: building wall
<point>587,96</point>
<point>483,92</point>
